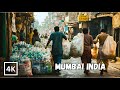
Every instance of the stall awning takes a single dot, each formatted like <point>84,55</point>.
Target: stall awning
<point>105,15</point>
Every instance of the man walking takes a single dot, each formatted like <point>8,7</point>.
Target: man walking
<point>57,50</point>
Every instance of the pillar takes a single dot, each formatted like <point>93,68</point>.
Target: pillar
<point>4,34</point>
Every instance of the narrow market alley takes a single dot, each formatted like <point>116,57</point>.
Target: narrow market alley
<point>32,42</point>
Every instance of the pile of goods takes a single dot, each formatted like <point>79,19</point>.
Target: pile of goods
<point>32,60</point>
<point>44,42</point>
<point>38,44</point>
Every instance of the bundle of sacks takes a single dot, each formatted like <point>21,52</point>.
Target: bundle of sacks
<point>66,49</point>
<point>77,45</point>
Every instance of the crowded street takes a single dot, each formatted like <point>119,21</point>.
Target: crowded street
<point>60,44</point>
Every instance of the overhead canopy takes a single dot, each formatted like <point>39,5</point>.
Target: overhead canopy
<point>104,15</point>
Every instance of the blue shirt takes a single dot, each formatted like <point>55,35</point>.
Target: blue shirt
<point>57,38</point>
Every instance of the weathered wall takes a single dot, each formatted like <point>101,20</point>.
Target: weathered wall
<point>116,20</point>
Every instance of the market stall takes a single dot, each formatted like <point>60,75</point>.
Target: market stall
<point>32,60</point>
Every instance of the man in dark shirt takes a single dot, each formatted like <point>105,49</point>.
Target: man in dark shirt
<point>57,49</point>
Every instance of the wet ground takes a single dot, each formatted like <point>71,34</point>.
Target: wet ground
<point>113,71</point>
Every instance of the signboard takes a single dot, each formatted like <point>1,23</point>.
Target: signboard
<point>83,17</point>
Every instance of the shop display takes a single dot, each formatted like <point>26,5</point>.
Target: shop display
<point>37,44</point>
<point>38,57</point>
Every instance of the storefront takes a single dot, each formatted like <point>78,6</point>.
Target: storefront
<point>24,21</point>
<point>98,23</point>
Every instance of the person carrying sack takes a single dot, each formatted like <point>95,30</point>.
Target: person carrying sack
<point>101,57</point>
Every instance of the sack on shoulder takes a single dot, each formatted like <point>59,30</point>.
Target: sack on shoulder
<point>109,47</point>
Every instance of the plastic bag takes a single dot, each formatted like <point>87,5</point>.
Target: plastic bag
<point>25,68</point>
<point>52,61</point>
<point>37,44</point>
<point>96,45</point>
<point>77,45</point>
<point>109,47</point>
<point>66,49</point>
<point>94,52</point>
<point>42,68</point>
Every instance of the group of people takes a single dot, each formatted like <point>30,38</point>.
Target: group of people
<point>88,42</point>
<point>57,49</point>
<point>33,36</point>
